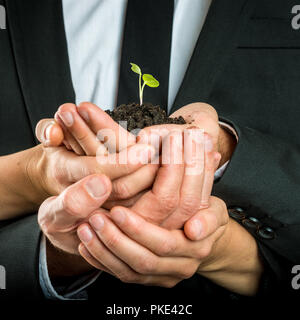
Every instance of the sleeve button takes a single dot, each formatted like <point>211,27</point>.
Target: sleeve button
<point>252,223</point>
<point>237,213</point>
<point>266,233</point>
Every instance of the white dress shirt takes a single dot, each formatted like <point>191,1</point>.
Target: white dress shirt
<point>94,31</point>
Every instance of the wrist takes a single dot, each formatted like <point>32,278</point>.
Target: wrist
<point>234,263</point>
<point>217,260</point>
<point>227,143</point>
<point>33,173</point>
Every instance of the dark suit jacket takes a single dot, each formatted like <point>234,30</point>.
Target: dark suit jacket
<point>246,64</point>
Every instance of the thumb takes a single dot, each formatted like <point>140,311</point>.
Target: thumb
<point>207,221</point>
<point>74,204</point>
<point>49,133</point>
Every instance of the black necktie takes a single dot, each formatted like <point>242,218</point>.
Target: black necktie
<point>147,43</point>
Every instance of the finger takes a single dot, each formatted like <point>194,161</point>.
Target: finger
<point>128,186</point>
<point>159,240</point>
<point>139,258</point>
<point>102,255</point>
<point>191,187</point>
<point>163,199</point>
<point>49,133</point>
<point>212,160</point>
<point>99,121</point>
<point>77,202</point>
<point>207,221</point>
<point>166,187</point>
<point>79,129</point>
<point>162,242</point>
<point>114,165</point>
<point>154,135</point>
<point>124,203</point>
<point>205,120</point>
<point>69,141</point>
<point>94,251</point>
<point>91,260</point>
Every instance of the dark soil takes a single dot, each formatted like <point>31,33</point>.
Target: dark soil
<point>139,117</point>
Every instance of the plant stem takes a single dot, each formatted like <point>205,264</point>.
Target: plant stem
<point>140,89</point>
<point>141,96</point>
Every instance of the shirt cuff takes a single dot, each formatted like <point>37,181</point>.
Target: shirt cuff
<point>219,173</point>
<point>73,292</point>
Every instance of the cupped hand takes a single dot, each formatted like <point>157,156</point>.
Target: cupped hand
<point>134,250</point>
<point>184,180</point>
<point>89,131</point>
<point>84,129</point>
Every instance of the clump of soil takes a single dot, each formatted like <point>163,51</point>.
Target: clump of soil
<point>139,117</point>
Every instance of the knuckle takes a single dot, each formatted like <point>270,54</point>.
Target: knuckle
<point>45,216</point>
<point>189,204</point>
<point>68,204</point>
<point>112,241</point>
<point>167,247</point>
<point>169,202</point>
<point>146,265</point>
<point>136,227</point>
<point>45,227</point>
<point>188,272</point>
<point>121,190</point>
<point>82,137</point>
<point>127,277</point>
<point>204,252</point>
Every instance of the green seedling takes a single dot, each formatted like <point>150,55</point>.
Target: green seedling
<point>148,79</point>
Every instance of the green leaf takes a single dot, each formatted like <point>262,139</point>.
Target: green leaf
<point>150,81</point>
<point>135,68</point>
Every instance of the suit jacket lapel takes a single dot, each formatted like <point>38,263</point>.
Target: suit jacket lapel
<point>39,44</point>
<point>215,43</point>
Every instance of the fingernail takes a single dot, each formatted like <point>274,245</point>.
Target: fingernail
<point>85,234</point>
<point>95,187</point>
<point>197,229</point>
<point>96,222</point>
<point>118,216</point>
<point>84,115</point>
<point>47,131</point>
<point>208,145</point>
<point>67,118</point>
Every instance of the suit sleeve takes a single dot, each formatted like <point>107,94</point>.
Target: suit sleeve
<point>19,254</point>
<point>261,185</point>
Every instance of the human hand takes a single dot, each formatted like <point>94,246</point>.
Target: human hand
<point>203,116</point>
<point>184,180</point>
<point>93,132</point>
<point>88,120</point>
<point>125,245</point>
<point>53,169</point>
<point>79,137</point>
<point>85,129</point>
<point>134,250</point>
<point>60,216</point>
